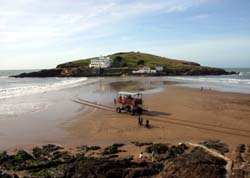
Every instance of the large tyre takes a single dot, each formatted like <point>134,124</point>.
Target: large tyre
<point>128,108</point>
<point>118,110</point>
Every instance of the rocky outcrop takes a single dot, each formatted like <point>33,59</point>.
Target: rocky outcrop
<point>169,161</point>
<point>42,73</point>
<point>196,164</point>
<point>48,161</point>
<point>87,72</point>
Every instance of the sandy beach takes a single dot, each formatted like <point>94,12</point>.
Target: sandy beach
<point>212,126</point>
<point>177,114</point>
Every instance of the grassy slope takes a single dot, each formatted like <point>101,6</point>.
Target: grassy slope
<point>131,58</point>
<point>178,67</point>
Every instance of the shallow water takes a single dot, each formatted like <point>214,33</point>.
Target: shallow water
<point>239,83</point>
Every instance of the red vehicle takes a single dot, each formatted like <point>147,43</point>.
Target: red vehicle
<point>130,102</point>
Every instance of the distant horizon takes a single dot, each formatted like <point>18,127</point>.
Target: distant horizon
<point>224,67</point>
<point>38,34</point>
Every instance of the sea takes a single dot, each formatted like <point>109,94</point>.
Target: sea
<point>238,83</point>
<point>20,96</point>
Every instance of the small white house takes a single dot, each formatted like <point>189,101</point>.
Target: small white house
<point>144,70</point>
<point>101,62</point>
<point>159,68</point>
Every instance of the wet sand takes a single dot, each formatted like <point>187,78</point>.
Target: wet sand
<point>177,114</point>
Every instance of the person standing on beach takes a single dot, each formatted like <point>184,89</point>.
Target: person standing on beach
<point>141,121</point>
<point>141,155</point>
<point>153,156</point>
<point>147,123</point>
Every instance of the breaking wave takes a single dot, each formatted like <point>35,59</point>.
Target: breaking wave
<point>43,86</point>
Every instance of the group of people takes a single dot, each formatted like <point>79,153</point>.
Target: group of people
<point>140,122</point>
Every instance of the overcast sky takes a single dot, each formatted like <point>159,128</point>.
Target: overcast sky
<point>37,34</point>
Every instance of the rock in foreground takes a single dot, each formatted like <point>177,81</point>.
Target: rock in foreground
<point>169,161</point>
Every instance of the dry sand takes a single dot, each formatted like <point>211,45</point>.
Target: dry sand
<point>176,114</point>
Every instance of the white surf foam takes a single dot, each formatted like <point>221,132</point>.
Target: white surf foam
<point>41,87</point>
<point>212,80</point>
<point>221,83</point>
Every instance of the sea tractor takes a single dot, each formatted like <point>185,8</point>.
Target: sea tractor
<point>130,102</point>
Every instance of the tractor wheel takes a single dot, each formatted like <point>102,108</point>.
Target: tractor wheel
<point>118,110</point>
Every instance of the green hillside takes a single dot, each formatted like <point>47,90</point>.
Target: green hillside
<point>134,60</point>
<point>124,63</point>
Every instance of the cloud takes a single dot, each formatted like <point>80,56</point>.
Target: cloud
<point>22,21</point>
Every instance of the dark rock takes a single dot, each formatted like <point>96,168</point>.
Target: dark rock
<point>89,148</point>
<point>15,162</point>
<point>3,157</point>
<point>239,158</point>
<point>139,144</point>
<point>45,150</point>
<point>4,175</point>
<point>239,173</point>
<point>241,148</point>
<point>158,148</point>
<point>93,167</point>
<point>217,145</point>
<point>196,164</point>
<point>233,73</point>
<point>22,156</point>
<point>118,144</point>
<point>42,73</point>
<point>113,149</point>
<point>173,151</point>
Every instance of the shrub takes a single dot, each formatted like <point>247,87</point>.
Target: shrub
<point>158,148</point>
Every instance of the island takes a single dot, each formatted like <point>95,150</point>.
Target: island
<point>127,63</point>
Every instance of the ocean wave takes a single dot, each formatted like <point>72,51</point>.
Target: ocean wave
<point>220,83</point>
<point>212,80</point>
<point>41,88</point>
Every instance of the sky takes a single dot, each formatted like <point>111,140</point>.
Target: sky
<point>37,34</point>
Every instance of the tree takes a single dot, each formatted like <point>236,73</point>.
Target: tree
<point>118,59</point>
<point>140,62</point>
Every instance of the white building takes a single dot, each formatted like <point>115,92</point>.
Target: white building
<point>144,70</point>
<point>159,68</point>
<point>101,62</point>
